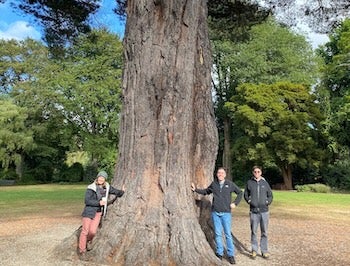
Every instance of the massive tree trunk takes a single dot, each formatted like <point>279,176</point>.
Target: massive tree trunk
<point>168,139</point>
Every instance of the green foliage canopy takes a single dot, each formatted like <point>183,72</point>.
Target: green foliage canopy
<point>90,83</point>
<point>72,103</point>
<point>15,138</point>
<point>335,87</point>
<point>272,53</point>
<point>277,124</point>
<point>62,21</point>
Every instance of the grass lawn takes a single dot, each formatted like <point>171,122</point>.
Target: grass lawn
<point>51,199</point>
<point>332,207</point>
<point>68,200</point>
<point>329,207</point>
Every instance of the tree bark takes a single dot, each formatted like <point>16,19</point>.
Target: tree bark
<point>168,139</point>
<point>287,177</point>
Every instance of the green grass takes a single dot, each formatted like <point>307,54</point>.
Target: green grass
<point>310,198</point>
<point>334,207</point>
<point>329,207</point>
<point>68,200</point>
<point>53,200</point>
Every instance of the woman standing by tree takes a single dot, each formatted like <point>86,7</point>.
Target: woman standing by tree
<point>95,206</point>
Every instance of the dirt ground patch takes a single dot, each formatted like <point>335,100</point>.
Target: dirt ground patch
<point>30,241</point>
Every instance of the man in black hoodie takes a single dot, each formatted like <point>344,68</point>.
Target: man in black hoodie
<point>221,211</point>
<point>258,195</point>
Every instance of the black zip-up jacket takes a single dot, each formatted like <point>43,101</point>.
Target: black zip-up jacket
<point>258,195</point>
<point>92,200</point>
<point>222,196</point>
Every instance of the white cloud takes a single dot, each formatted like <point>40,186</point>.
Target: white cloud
<point>19,30</point>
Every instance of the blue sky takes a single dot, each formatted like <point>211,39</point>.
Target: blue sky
<point>15,25</point>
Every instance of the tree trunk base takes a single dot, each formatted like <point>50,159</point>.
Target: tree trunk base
<point>67,250</point>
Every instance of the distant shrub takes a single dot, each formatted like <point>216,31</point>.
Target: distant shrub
<point>338,175</point>
<point>41,173</point>
<point>90,173</point>
<point>9,174</point>
<point>318,188</point>
<point>73,173</point>
<point>302,188</point>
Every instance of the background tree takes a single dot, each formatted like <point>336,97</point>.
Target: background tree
<point>15,138</point>
<point>336,80</point>
<point>334,94</point>
<point>21,64</point>
<point>231,20</point>
<point>272,53</point>
<point>229,23</point>
<point>90,86</point>
<point>277,125</point>
<point>72,103</point>
<point>321,16</point>
<point>62,21</point>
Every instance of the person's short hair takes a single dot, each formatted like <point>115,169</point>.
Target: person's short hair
<point>221,168</point>
<point>257,167</point>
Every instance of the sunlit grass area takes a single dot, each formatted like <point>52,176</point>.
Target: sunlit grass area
<point>68,200</point>
<point>52,199</point>
<point>332,207</point>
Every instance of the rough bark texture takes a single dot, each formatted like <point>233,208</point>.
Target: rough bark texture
<point>168,139</point>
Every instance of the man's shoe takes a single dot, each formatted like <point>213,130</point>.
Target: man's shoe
<point>266,255</point>
<point>219,256</point>
<point>231,260</point>
<point>253,255</point>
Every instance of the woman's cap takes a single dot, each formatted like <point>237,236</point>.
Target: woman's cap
<point>103,174</point>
